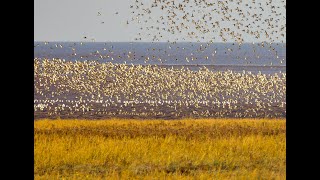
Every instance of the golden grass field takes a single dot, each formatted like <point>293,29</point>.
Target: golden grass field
<point>160,149</point>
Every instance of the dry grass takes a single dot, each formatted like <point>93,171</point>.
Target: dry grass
<point>159,149</point>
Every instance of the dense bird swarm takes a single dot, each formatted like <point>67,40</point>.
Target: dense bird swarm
<point>204,20</point>
<point>100,90</point>
<point>91,89</point>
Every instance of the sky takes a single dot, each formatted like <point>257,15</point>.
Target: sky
<point>72,20</point>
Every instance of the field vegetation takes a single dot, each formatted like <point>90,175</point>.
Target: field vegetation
<point>160,149</point>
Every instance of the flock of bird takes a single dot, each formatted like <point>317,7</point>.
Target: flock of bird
<point>92,89</point>
<point>95,89</point>
<point>206,20</point>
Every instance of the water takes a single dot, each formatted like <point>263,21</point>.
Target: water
<point>266,58</point>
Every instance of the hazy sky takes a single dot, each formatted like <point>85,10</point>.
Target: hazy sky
<point>71,20</point>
